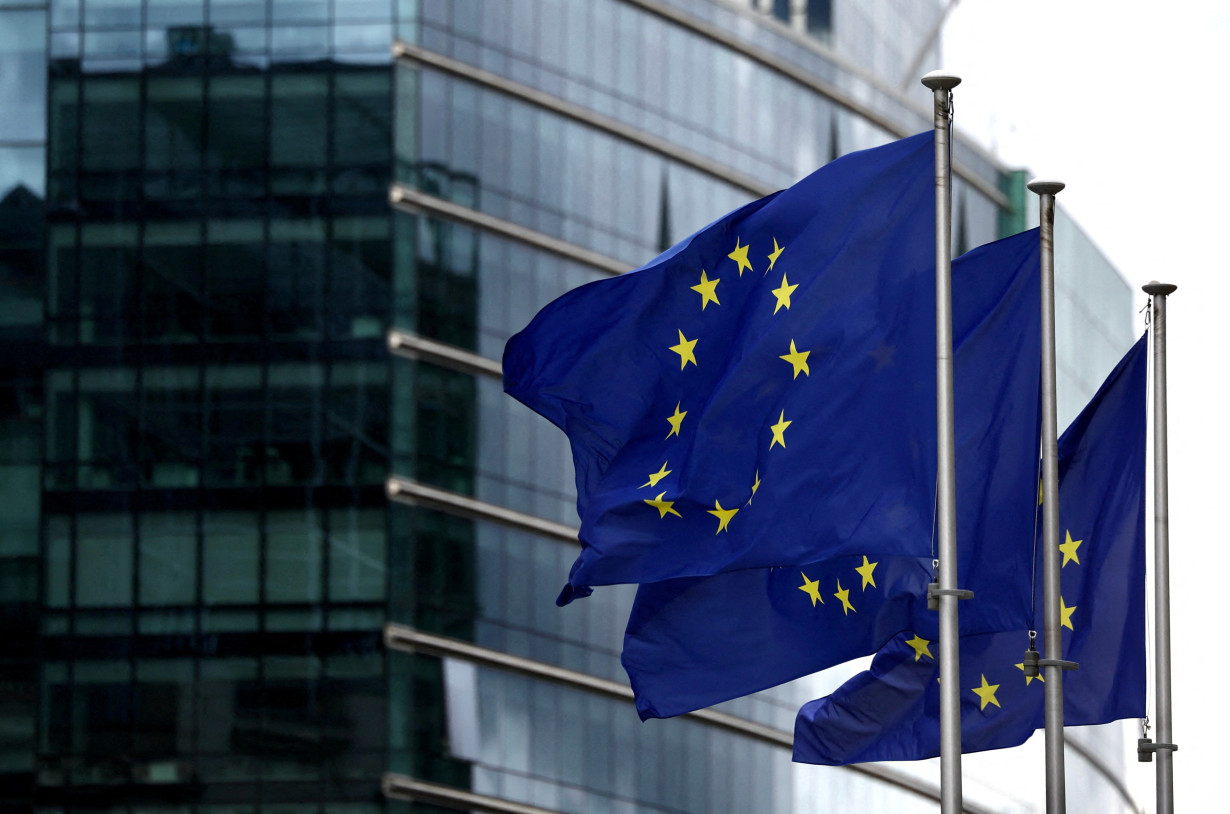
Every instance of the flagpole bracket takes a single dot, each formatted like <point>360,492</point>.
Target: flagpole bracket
<point>1060,663</point>
<point>934,592</point>
<point>1145,747</point>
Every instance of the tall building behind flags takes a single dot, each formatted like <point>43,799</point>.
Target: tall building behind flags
<point>213,212</point>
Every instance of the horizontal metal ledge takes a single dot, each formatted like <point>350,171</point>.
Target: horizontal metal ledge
<point>401,787</point>
<point>411,200</point>
<point>407,639</point>
<point>819,86</point>
<point>413,493</point>
<point>415,54</point>
<point>412,346</point>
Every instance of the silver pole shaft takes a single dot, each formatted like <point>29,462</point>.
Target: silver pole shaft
<point>1161,552</point>
<point>1052,641</point>
<point>941,85</point>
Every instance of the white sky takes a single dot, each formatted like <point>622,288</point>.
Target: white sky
<point>1125,102</point>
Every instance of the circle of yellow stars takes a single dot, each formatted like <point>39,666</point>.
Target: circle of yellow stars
<point>687,349</point>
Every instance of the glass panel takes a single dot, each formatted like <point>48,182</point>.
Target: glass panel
<point>174,122</point>
<point>174,13</point>
<point>108,283</point>
<point>22,167</point>
<point>300,121</point>
<point>296,271</point>
<point>104,560</point>
<point>234,279</point>
<point>299,43</point>
<point>237,135</point>
<point>234,426</point>
<point>165,721</point>
<point>110,124</point>
<point>56,559</point>
<point>362,128</point>
<point>23,75</point>
<point>226,719</point>
<point>111,13</point>
<point>356,555</point>
<point>107,431</point>
<point>172,296</point>
<point>298,11</point>
<point>359,278</point>
<point>167,559</point>
<point>231,560</point>
<point>356,424</point>
<point>294,542</point>
<point>171,427</point>
<point>237,11</point>
<point>63,130</point>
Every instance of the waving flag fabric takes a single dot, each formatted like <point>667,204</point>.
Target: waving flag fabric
<point>762,393</point>
<point>891,712</point>
<point>694,642</point>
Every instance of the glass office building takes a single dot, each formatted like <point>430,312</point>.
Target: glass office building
<point>217,217</point>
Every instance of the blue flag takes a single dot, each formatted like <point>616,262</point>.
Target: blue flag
<point>694,642</point>
<point>761,394</point>
<point>891,712</point>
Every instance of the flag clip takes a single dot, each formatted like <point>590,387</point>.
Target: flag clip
<point>1030,664</point>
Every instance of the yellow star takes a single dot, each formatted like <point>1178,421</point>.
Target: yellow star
<point>684,349</point>
<point>987,693</point>
<point>739,255</point>
<point>779,431</point>
<point>657,476</point>
<point>844,595</point>
<point>707,290</point>
<point>663,506</point>
<point>1068,547</point>
<point>676,420</point>
<point>865,570</point>
<point>922,647</point>
<point>1065,614</point>
<point>797,359</point>
<point>723,516</point>
<point>811,587</point>
<point>777,251</point>
<point>1039,491</point>
<point>783,294</point>
<point>1030,679</point>
<point>755,486</point>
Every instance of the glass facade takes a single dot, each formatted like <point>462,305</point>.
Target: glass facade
<point>200,267</point>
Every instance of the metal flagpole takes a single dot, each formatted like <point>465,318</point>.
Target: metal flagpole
<point>1165,746</point>
<point>941,84</point>
<point>1052,662</point>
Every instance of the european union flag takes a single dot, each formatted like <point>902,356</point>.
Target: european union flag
<point>694,642</point>
<point>891,712</point>
<point>761,394</point>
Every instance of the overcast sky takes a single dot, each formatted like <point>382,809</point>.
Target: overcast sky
<point>1126,104</point>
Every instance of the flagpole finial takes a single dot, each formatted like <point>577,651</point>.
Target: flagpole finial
<point>1043,186</point>
<point>941,80</point>
<point>1154,288</point>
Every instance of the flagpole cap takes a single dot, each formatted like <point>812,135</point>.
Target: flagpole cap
<point>1154,288</point>
<point>941,80</point>
<point>1045,186</point>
